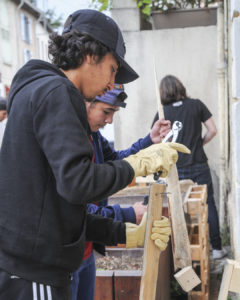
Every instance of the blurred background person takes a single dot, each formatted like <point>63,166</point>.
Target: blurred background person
<point>193,113</point>
<point>3,117</point>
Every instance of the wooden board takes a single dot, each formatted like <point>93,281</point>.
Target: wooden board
<point>235,280</point>
<point>230,279</point>
<point>134,190</point>
<point>187,278</point>
<point>104,278</point>
<point>151,252</point>
<point>127,285</point>
<point>181,245</point>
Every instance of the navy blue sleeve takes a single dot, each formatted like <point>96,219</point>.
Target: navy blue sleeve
<point>114,211</point>
<point>111,154</point>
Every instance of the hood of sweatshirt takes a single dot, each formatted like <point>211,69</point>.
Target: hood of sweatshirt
<point>31,71</point>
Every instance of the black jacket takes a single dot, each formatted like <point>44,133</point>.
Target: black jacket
<point>47,178</point>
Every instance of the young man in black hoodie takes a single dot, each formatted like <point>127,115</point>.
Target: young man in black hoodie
<point>47,175</point>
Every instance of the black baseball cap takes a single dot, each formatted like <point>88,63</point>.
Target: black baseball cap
<point>105,30</point>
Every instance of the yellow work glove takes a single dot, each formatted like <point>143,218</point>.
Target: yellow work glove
<point>161,231</point>
<point>158,157</point>
<point>135,234</point>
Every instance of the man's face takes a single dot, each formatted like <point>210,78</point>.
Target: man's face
<point>98,76</point>
<point>3,115</point>
<point>100,114</point>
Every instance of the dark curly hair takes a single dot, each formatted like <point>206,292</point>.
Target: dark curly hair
<point>69,50</point>
<point>171,90</point>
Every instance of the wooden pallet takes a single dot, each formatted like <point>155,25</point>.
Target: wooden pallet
<point>196,212</point>
<point>230,280</point>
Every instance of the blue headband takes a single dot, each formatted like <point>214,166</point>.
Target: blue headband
<point>115,97</point>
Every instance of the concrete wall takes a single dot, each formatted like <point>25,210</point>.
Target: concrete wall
<point>234,56</point>
<point>188,53</point>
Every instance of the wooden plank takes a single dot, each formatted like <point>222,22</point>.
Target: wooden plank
<point>226,279</point>
<point>196,195</point>
<point>135,190</point>
<point>181,245</point>
<point>185,184</point>
<point>193,206</point>
<point>151,252</point>
<point>127,285</point>
<point>104,278</point>
<point>187,278</point>
<point>235,280</point>
<point>164,275</point>
<point>195,252</point>
<point>188,191</point>
<point>144,190</point>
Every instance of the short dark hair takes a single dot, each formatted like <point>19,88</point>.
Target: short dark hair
<point>68,51</point>
<point>171,90</point>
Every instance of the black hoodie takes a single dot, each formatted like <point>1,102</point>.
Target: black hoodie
<point>47,178</point>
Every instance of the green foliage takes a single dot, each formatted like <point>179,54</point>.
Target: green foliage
<point>102,5</point>
<point>53,20</point>
<point>225,235</point>
<point>147,6</point>
<point>176,292</point>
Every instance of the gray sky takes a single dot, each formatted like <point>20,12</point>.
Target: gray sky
<point>65,8</point>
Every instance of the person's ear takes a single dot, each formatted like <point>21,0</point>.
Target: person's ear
<point>91,59</point>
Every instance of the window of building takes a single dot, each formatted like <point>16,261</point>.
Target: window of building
<point>26,28</point>
<point>27,55</point>
<point>5,44</point>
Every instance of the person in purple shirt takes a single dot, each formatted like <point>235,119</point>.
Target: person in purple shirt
<point>100,112</point>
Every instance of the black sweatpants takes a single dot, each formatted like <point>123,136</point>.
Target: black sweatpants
<point>14,288</point>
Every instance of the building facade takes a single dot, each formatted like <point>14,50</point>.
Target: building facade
<point>24,35</point>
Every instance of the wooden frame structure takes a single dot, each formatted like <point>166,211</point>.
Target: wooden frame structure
<point>231,279</point>
<point>196,212</point>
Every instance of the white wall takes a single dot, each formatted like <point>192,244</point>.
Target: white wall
<point>234,54</point>
<point>189,54</point>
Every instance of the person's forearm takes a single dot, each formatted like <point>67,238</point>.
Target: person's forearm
<point>211,130</point>
<point>105,230</point>
<point>208,137</point>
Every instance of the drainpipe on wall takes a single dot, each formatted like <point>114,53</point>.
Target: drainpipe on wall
<point>223,111</point>
<point>17,30</point>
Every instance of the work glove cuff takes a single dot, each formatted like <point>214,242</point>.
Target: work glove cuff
<point>133,161</point>
<point>131,235</point>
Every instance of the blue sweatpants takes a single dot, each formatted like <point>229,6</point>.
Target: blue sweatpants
<point>83,281</point>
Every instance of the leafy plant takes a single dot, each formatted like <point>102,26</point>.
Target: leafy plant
<point>102,5</point>
<point>52,19</point>
<point>147,6</point>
